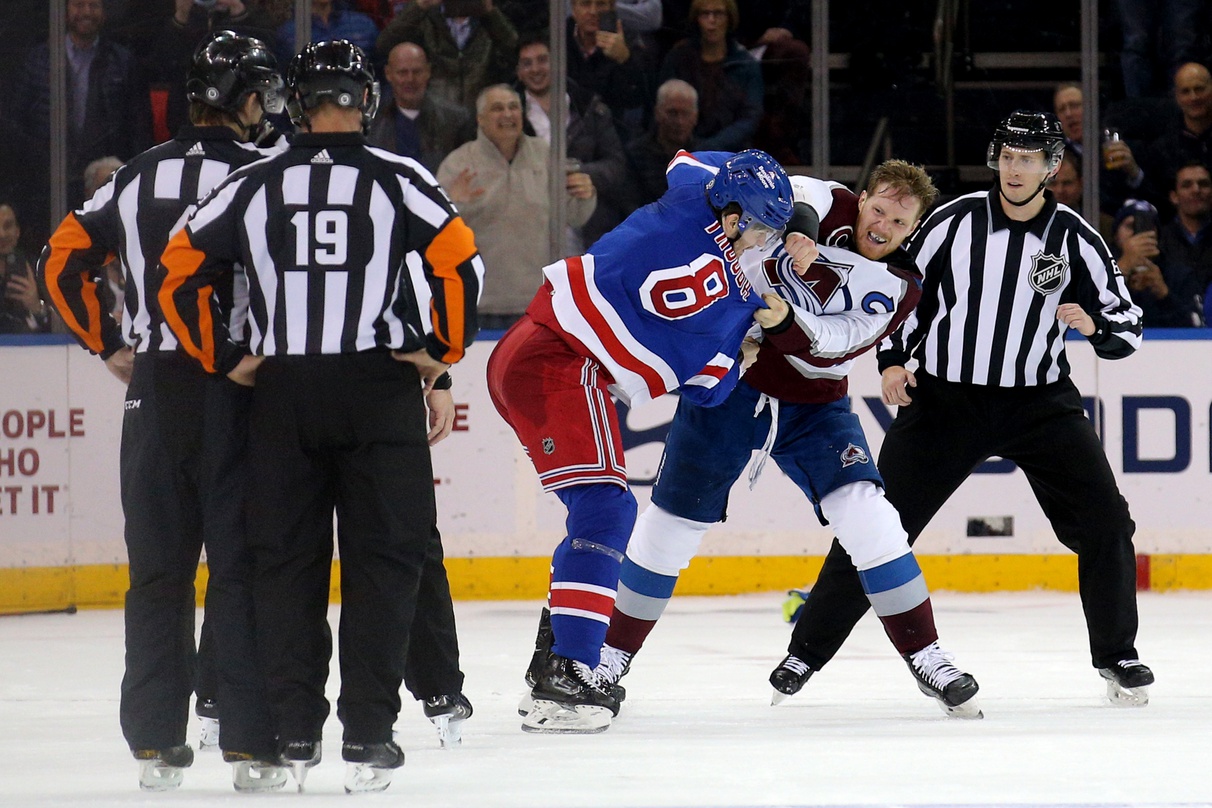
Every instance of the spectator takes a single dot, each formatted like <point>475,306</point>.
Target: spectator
<point>728,79</point>
<point>591,138</point>
<point>1185,239</point>
<point>1157,33</point>
<point>1066,186</point>
<point>466,53</point>
<point>673,121</point>
<point>21,308</point>
<point>1166,292</point>
<point>416,124</point>
<point>603,62</point>
<point>776,33</point>
<point>1190,141</point>
<point>108,111</point>
<point>330,19</point>
<point>190,23</point>
<point>97,173</point>
<point>1121,176</point>
<point>499,183</point>
<point>113,293</point>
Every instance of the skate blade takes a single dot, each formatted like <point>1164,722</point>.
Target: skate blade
<point>362,778</point>
<point>299,769</point>
<point>778,697</point>
<point>256,775</point>
<point>1120,696</point>
<point>555,718</point>
<point>450,731</point>
<point>208,734</point>
<point>155,776</point>
<point>970,710</point>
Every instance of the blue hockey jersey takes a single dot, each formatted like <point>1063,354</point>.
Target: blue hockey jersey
<point>661,301</point>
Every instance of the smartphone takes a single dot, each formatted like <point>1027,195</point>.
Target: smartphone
<point>572,166</point>
<point>1144,221</point>
<point>463,8</point>
<point>608,21</point>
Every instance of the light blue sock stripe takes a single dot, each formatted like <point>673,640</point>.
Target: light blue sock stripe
<point>900,600</point>
<point>645,582</point>
<point>641,607</point>
<point>890,575</point>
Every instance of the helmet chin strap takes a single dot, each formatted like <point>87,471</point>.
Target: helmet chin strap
<point>1026,201</point>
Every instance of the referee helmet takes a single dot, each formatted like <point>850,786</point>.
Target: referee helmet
<point>227,68</point>
<point>1025,130</point>
<point>337,71</point>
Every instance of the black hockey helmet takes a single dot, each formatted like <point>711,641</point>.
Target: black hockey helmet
<point>227,68</point>
<point>338,71</point>
<point>1025,130</point>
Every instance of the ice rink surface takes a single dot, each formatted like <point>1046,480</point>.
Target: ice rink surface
<point>697,728</point>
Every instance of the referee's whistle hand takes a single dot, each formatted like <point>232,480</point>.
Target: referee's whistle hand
<point>1074,316</point>
<point>245,373</point>
<point>441,415</point>
<point>428,367</point>
<point>894,386</point>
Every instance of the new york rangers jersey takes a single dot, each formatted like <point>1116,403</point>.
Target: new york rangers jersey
<point>661,301</point>
<point>843,305</point>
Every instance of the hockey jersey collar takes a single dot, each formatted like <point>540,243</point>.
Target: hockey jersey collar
<point>1038,226</point>
<point>193,133</point>
<point>325,139</point>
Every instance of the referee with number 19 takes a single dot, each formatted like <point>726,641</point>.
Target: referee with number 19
<point>1006,273</point>
<point>362,284</point>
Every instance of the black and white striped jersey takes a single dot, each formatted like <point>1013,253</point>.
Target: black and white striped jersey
<point>345,248</point>
<point>132,217</point>
<point>991,290</point>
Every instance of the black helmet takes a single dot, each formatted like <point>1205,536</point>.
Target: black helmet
<point>1028,131</point>
<point>228,67</point>
<point>338,71</point>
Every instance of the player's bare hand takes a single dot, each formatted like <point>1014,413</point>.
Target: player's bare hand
<point>895,384</point>
<point>1074,316</point>
<point>749,353</point>
<point>803,251</point>
<point>775,314</point>
<point>579,185</point>
<point>121,363</point>
<point>428,367</point>
<point>441,414</point>
<point>613,45</point>
<point>245,373</point>
<point>464,187</point>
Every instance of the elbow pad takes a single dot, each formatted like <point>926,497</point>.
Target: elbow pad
<point>804,219</point>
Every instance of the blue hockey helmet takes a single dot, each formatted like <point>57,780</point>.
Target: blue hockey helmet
<point>758,184</point>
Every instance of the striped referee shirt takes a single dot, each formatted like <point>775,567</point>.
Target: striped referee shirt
<point>132,217</point>
<point>991,290</point>
<point>345,248</point>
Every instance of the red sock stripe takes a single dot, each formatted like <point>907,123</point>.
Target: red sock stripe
<point>580,599</point>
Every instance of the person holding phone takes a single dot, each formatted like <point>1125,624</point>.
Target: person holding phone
<point>601,60</point>
<point>1167,292</point>
<point>21,308</point>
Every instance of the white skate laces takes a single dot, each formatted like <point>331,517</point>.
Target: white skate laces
<point>794,664</point>
<point>933,664</point>
<point>614,663</point>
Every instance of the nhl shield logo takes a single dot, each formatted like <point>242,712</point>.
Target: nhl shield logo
<point>1048,272</point>
<point>548,445</point>
<point>854,454</point>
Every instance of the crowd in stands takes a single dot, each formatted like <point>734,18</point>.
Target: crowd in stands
<point>645,78</point>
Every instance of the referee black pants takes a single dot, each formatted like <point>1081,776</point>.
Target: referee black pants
<point>940,439</point>
<point>343,434</point>
<point>182,481</point>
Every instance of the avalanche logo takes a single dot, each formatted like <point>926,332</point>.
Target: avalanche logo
<point>854,454</point>
<point>1047,272</point>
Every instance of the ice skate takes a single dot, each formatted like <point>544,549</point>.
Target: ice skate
<point>954,690</point>
<point>300,756</point>
<point>613,666</point>
<point>543,641</point>
<point>448,714</point>
<point>208,724</point>
<point>569,698</point>
<point>790,675</point>
<point>250,773</point>
<point>163,769</point>
<point>369,765</point>
<point>1128,682</point>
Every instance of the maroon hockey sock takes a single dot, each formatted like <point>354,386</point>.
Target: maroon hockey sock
<point>909,631</point>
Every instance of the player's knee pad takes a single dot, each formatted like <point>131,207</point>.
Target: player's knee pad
<point>664,543</point>
<point>866,524</point>
<point>600,517</point>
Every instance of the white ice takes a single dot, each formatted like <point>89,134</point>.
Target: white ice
<point>697,728</point>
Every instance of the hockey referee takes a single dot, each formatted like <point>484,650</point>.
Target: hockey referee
<point>362,285</point>
<point>1006,273</point>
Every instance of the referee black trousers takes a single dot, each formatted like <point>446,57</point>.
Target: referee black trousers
<point>940,439</point>
<point>343,434</point>
<point>182,475</point>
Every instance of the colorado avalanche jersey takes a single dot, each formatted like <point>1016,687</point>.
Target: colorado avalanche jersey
<point>661,300</point>
<point>843,305</point>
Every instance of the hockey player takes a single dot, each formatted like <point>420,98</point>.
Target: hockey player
<point>792,405</point>
<point>183,431</point>
<point>659,303</point>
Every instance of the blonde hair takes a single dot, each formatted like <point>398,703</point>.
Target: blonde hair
<point>904,179</point>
